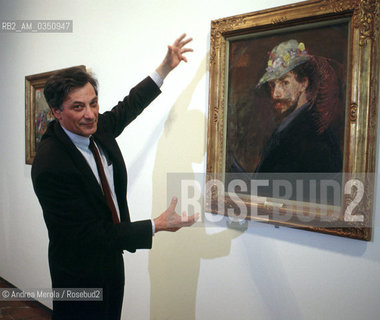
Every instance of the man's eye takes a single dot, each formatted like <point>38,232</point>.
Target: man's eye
<point>77,107</point>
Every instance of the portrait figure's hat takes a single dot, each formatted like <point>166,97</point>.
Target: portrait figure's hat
<point>284,58</point>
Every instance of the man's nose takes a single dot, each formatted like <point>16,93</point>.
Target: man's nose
<point>276,92</point>
<point>89,112</point>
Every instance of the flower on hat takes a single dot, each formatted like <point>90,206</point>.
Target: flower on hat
<point>301,47</point>
<point>286,59</point>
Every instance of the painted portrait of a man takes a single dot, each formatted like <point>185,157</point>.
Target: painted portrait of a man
<point>286,102</point>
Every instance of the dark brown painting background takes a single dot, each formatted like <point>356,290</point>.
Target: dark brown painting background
<point>250,117</point>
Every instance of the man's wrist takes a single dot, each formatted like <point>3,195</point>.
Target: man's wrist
<point>156,77</point>
<point>163,71</point>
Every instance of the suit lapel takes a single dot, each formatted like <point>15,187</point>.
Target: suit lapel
<point>79,162</point>
<point>109,145</point>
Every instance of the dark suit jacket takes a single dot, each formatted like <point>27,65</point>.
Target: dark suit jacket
<point>298,146</point>
<point>85,246</point>
<point>298,150</point>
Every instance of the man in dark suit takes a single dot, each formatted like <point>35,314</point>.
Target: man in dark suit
<point>80,179</point>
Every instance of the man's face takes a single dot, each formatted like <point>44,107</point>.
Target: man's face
<point>286,93</point>
<point>80,111</point>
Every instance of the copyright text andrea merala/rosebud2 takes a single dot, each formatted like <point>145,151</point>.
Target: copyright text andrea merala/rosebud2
<point>320,199</point>
<point>58,294</point>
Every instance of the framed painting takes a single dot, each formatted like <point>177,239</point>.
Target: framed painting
<point>37,112</point>
<point>293,116</point>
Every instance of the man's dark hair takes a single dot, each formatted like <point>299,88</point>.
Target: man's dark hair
<point>306,70</point>
<point>58,86</point>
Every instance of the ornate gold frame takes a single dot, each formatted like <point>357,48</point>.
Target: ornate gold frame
<point>361,103</point>
<point>33,83</point>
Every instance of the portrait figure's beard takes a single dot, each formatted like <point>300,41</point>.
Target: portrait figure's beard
<point>283,108</point>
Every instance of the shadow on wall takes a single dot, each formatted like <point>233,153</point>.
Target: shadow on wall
<point>174,260</point>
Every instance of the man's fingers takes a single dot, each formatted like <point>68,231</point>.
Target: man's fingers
<point>194,218</point>
<point>186,50</point>
<point>180,42</point>
<point>173,204</point>
<point>185,42</point>
<point>180,39</point>
<point>189,220</point>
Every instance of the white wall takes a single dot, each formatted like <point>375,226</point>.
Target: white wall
<point>198,273</point>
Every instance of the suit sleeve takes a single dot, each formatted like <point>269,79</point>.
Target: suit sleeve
<point>78,221</point>
<point>126,111</point>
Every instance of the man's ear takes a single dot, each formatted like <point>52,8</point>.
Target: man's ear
<point>57,113</point>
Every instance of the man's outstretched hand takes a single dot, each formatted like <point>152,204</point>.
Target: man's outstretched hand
<point>174,56</point>
<point>170,220</point>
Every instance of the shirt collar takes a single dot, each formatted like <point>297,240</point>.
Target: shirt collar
<point>79,141</point>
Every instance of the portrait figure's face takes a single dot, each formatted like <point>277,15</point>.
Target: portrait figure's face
<point>79,111</point>
<point>287,93</point>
